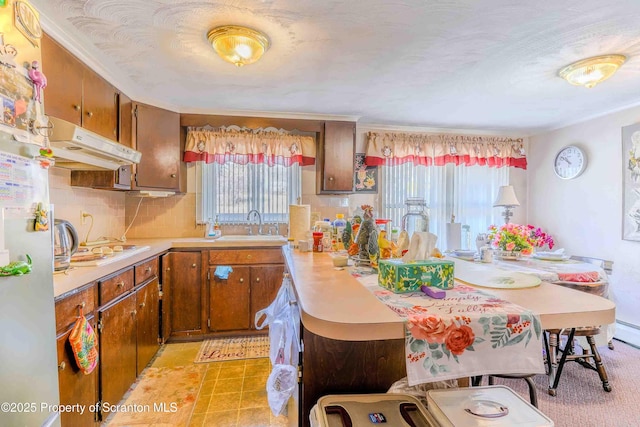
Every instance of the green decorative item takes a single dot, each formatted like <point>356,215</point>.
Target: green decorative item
<point>16,268</point>
<point>346,235</point>
<point>372,247</point>
<point>364,232</point>
<point>401,277</point>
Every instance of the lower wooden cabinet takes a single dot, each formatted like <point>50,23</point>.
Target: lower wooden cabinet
<point>117,348</point>
<point>265,282</point>
<point>230,300</point>
<point>147,323</point>
<point>182,294</point>
<point>75,387</point>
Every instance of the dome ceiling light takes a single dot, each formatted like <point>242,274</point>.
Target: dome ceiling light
<point>238,45</point>
<point>591,71</point>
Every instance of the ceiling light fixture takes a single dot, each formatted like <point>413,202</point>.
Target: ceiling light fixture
<point>238,45</point>
<point>591,71</point>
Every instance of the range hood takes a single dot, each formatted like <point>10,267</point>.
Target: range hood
<point>79,149</point>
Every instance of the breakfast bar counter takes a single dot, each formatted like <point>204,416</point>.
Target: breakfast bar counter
<point>335,305</point>
<point>353,343</point>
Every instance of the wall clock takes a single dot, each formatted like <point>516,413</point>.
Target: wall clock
<point>570,162</point>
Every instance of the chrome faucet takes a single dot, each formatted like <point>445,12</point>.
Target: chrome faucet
<point>259,220</point>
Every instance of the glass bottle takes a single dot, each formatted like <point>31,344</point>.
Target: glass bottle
<point>417,216</point>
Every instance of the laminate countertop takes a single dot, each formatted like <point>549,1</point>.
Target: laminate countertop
<point>71,279</point>
<point>333,304</point>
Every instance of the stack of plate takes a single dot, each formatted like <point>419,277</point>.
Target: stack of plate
<point>551,256</point>
<point>464,254</point>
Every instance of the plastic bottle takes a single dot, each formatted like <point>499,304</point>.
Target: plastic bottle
<point>216,228</point>
<point>466,237</point>
<point>210,233</point>
<point>339,225</point>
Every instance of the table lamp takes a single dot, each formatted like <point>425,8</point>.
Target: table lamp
<point>507,199</point>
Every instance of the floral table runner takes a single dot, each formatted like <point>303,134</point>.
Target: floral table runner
<point>469,332</point>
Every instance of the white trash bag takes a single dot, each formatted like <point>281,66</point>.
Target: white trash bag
<point>280,387</point>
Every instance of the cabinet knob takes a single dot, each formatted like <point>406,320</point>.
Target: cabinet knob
<point>62,365</point>
<point>76,107</point>
<point>330,178</point>
<point>257,279</point>
<point>134,312</point>
<point>89,113</point>
<point>148,269</point>
<point>293,302</point>
<point>168,269</point>
<point>193,266</point>
<point>120,284</point>
<point>142,305</point>
<point>241,280</point>
<point>173,175</point>
<point>249,256</point>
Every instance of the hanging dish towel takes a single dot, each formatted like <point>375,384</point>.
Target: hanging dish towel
<point>222,272</point>
<point>84,344</point>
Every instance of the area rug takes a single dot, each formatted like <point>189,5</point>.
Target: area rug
<point>233,348</point>
<point>580,399</point>
<point>160,397</point>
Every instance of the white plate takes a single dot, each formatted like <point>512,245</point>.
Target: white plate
<point>464,253</point>
<point>551,256</point>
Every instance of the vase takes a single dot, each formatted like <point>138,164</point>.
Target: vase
<point>508,255</point>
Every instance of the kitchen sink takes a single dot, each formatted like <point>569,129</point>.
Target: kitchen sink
<point>252,238</point>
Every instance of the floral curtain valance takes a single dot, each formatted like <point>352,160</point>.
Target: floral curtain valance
<point>440,149</point>
<point>248,146</point>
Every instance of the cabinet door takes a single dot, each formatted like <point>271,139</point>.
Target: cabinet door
<point>63,94</point>
<point>336,170</point>
<point>229,300</point>
<point>158,139</point>
<point>265,282</point>
<point>125,120</point>
<point>75,387</point>
<point>117,348</point>
<point>100,105</point>
<point>148,323</point>
<point>182,293</point>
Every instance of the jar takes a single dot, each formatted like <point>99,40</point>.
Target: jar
<point>317,241</point>
<point>417,216</point>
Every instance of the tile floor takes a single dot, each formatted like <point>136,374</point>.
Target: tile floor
<point>232,393</point>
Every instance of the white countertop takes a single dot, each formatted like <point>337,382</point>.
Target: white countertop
<point>64,282</point>
<point>335,305</point>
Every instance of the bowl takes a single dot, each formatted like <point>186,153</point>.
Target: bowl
<point>340,261</point>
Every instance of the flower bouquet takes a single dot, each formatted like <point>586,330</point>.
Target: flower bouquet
<point>514,240</point>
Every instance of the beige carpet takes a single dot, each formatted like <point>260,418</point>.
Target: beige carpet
<point>581,401</point>
<point>232,348</point>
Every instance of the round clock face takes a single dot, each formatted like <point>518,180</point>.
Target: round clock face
<point>569,162</point>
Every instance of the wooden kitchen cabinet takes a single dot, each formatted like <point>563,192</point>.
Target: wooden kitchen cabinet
<point>252,286</point>
<point>147,323</point>
<point>265,282</point>
<point>74,386</point>
<point>336,157</point>
<point>118,335</point>
<point>157,136</point>
<point>230,300</point>
<point>182,294</point>
<point>76,93</point>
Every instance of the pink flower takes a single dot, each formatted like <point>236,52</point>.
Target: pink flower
<point>430,328</point>
<point>510,246</point>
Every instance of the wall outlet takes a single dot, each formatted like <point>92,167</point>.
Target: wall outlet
<point>83,217</point>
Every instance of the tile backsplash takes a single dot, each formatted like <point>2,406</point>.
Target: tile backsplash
<point>106,207</point>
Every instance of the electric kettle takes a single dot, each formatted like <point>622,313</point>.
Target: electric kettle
<point>65,244</point>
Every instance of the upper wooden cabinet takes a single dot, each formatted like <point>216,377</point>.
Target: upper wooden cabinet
<point>335,158</point>
<point>157,136</point>
<point>77,94</point>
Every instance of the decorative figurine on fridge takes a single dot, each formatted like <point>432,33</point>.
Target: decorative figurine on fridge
<point>39,80</point>
<point>42,219</point>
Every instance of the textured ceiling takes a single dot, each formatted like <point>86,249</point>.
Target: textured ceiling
<point>489,64</point>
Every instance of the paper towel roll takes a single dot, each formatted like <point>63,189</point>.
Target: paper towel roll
<point>299,221</point>
<point>454,235</point>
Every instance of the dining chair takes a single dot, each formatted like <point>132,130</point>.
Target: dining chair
<point>568,351</point>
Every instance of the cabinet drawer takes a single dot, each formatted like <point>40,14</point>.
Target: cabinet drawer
<point>146,270</point>
<point>115,286</point>
<point>68,307</point>
<point>246,256</point>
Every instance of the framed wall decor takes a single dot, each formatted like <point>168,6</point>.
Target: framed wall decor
<point>366,177</point>
<point>631,182</point>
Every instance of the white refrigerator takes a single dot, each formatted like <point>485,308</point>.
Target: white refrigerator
<point>28,359</point>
